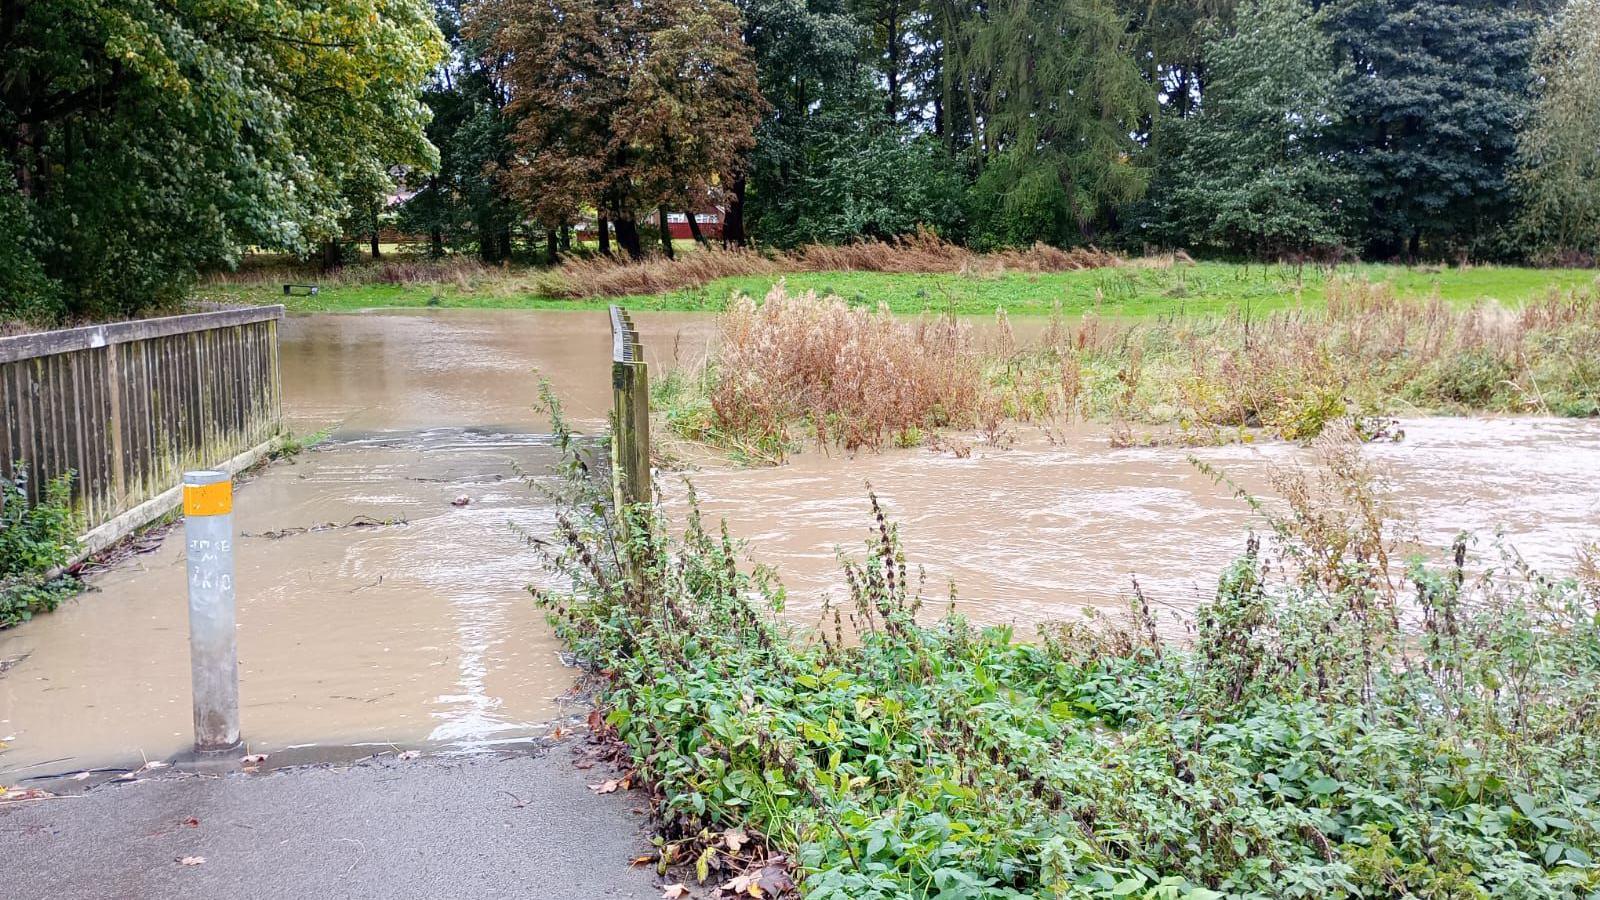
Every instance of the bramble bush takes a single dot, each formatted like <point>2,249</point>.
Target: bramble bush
<point>1338,725</point>
<point>35,538</point>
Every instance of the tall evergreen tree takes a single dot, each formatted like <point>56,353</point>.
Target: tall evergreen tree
<point>1559,148</point>
<point>1254,175</point>
<point>1433,91</point>
<point>1061,97</point>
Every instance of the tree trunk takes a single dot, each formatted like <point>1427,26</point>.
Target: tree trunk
<point>892,31</point>
<point>666,231</point>
<point>487,246</point>
<point>605,238</point>
<point>628,237</point>
<point>376,253</point>
<point>566,238</point>
<point>694,229</point>
<point>505,243</point>
<point>436,242</point>
<point>332,254</point>
<point>733,217</point>
<point>551,249</point>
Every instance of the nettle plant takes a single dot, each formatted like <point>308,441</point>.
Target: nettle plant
<point>1337,725</point>
<point>35,539</point>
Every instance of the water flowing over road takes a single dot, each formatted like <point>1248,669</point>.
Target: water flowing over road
<point>375,605</point>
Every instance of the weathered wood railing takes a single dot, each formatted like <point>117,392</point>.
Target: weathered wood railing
<point>127,407</point>
<point>630,420</point>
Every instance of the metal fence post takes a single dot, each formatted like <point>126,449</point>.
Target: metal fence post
<point>213,641</point>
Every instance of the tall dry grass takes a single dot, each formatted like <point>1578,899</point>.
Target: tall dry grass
<point>855,377</point>
<point>1367,353</point>
<point>923,252</point>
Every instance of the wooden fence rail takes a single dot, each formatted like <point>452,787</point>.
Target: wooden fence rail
<point>127,407</point>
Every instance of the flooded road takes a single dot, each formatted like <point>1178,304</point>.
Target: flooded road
<point>372,608</point>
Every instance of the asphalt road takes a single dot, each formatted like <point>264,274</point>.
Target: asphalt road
<point>432,827</point>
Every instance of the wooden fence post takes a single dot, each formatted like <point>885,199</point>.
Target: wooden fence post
<point>630,420</point>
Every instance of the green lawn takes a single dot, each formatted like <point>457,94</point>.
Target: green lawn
<point>1128,291</point>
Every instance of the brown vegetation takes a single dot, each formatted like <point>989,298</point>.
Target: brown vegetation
<point>858,377</point>
<point>924,252</point>
<point>863,379</point>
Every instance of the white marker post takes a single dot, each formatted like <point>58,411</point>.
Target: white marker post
<point>213,643</point>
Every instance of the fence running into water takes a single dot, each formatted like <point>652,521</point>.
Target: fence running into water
<point>127,407</point>
<point>630,420</point>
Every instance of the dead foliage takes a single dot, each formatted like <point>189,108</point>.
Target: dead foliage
<point>856,377</point>
<point>923,252</point>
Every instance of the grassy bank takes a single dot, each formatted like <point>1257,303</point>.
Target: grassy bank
<point>797,367</point>
<point>1139,288</point>
<point>1342,724</point>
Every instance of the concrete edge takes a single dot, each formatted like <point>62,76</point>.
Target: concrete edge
<point>108,533</point>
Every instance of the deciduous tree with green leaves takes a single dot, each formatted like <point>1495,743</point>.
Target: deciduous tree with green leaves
<point>143,141</point>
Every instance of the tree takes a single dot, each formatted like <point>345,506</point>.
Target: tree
<point>144,141</point>
<point>1433,91</point>
<point>1558,151</point>
<point>622,107</point>
<point>463,203</point>
<point>1059,100</point>
<point>858,177</point>
<point>1254,175</point>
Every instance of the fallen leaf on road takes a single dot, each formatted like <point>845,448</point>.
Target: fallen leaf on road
<point>642,861</point>
<point>82,775</point>
<point>608,786</point>
<point>462,500</point>
<point>191,822</point>
<point>748,885</point>
<point>254,759</point>
<point>775,880</point>
<point>16,795</point>
<point>674,892</point>
<point>409,754</point>
<point>192,861</point>
<point>735,838</point>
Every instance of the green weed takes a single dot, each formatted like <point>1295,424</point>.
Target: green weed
<point>1318,736</point>
<point>35,540</point>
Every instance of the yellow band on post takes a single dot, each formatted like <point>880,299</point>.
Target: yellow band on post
<point>208,499</point>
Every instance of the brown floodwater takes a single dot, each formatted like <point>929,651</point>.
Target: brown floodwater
<point>420,631</point>
<point>1045,531</point>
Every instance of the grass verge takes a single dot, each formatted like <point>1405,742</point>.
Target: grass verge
<point>948,280</point>
<point>1341,723</point>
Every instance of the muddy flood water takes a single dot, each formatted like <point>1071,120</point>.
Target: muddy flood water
<point>373,608</point>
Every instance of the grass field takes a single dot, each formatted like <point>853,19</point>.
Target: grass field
<point>1132,290</point>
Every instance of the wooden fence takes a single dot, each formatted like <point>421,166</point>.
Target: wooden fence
<point>127,407</point>
<point>630,420</point>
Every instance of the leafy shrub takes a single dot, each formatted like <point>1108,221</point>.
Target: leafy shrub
<point>1319,737</point>
<point>35,539</point>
